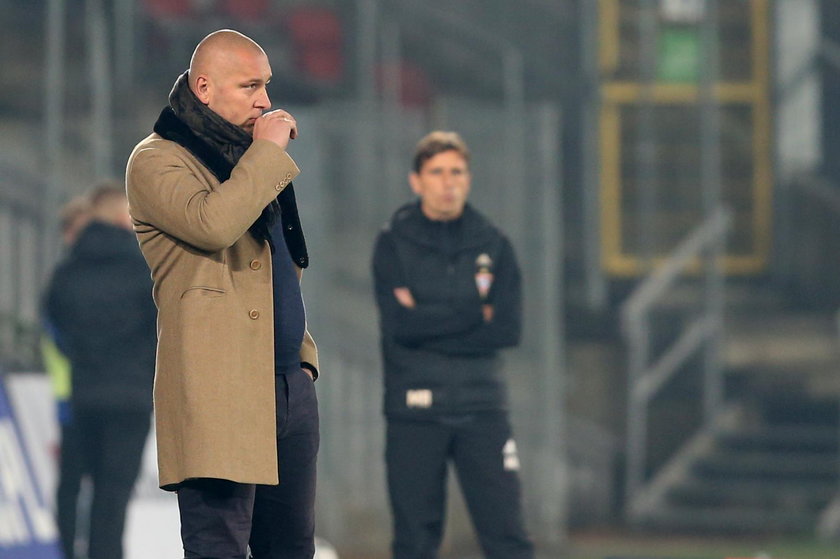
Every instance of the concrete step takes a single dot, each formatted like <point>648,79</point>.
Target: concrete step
<point>789,343</point>
<point>732,520</point>
<point>810,495</point>
<point>765,466</point>
<point>817,439</point>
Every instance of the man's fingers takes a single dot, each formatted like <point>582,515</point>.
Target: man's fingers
<point>282,115</point>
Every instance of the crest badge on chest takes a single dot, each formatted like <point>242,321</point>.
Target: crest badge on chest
<point>483,274</point>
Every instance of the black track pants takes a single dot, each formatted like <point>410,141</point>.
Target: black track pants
<point>482,450</point>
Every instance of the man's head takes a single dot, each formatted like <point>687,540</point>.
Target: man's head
<point>108,203</point>
<point>229,73</point>
<point>74,215</point>
<point>441,175</point>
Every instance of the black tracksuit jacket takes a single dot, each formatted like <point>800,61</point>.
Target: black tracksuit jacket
<point>443,349</point>
<point>100,302</point>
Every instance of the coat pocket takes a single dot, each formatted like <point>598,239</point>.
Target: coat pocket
<point>202,291</point>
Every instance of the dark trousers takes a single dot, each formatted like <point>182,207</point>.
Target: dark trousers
<point>220,519</point>
<point>71,470</point>
<point>107,446</point>
<point>480,448</point>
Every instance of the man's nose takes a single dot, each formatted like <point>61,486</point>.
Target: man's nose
<point>263,102</point>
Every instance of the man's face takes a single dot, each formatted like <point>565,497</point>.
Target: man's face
<point>236,87</point>
<point>443,184</point>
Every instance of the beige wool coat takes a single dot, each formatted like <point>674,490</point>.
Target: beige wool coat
<point>214,380</point>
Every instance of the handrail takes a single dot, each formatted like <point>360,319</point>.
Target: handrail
<point>682,257</point>
<point>646,377</point>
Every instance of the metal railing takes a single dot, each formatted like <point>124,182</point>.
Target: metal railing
<point>647,374</point>
<point>23,270</point>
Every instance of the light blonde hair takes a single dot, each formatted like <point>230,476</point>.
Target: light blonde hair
<point>437,142</point>
<point>108,203</point>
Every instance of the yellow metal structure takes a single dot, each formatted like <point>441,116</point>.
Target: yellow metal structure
<point>745,96</point>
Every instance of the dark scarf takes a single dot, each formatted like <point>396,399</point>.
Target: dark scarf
<point>218,144</point>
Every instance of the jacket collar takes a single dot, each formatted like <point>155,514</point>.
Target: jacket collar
<point>410,222</point>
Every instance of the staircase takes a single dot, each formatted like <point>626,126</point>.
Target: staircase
<point>756,473</point>
<point>770,462</point>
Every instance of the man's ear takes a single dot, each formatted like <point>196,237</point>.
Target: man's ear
<point>414,181</point>
<point>202,89</point>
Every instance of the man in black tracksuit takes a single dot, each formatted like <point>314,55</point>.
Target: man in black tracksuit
<point>448,290</point>
<point>99,302</point>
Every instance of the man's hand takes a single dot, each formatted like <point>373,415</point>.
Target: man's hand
<point>276,126</point>
<point>487,312</point>
<point>404,297</point>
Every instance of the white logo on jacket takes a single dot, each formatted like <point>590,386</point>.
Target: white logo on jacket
<point>510,456</point>
<point>418,398</point>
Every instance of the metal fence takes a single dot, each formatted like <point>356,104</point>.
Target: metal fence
<point>22,268</point>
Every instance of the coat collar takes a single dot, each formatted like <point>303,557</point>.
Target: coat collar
<point>170,127</point>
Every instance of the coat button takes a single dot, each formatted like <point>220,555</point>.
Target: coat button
<point>254,314</point>
<point>279,186</point>
<point>256,264</point>
<point>288,176</point>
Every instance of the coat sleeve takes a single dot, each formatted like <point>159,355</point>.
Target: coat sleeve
<point>412,327</point>
<point>166,193</point>
<point>506,327</point>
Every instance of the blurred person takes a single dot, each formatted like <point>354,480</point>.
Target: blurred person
<point>73,216</point>
<point>447,286</point>
<point>100,306</point>
<point>214,210</point>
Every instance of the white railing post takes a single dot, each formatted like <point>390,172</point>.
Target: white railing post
<point>646,376</point>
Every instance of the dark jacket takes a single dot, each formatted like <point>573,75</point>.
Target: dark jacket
<point>441,357</point>
<point>100,303</point>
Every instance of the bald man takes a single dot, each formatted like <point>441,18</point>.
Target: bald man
<point>214,210</point>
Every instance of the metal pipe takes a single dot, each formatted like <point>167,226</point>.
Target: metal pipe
<point>553,507</point>
<point>392,125</point>
<point>646,161</point>
<point>514,122</point>
<point>124,41</point>
<point>596,284</point>
<point>54,131</point>
<point>99,63</point>
<point>638,334</point>
<point>367,14</point>
<point>710,156</point>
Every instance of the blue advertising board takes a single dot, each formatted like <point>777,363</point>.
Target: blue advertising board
<point>27,526</point>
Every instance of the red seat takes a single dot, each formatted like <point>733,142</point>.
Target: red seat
<point>316,38</point>
<point>168,9</point>
<point>415,87</point>
<point>246,10</point>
